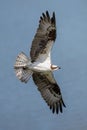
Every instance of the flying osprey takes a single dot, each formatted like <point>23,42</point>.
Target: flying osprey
<point>39,64</point>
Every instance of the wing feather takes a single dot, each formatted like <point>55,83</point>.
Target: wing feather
<point>49,90</point>
<point>46,32</point>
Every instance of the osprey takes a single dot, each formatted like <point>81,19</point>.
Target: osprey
<point>39,64</point>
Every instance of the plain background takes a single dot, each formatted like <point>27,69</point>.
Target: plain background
<point>21,105</point>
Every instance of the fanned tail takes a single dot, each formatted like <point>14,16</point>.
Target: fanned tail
<point>21,67</point>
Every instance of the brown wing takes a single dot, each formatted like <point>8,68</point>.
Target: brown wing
<point>46,32</point>
<point>50,91</point>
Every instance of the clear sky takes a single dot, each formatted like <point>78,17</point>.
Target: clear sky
<point>21,105</point>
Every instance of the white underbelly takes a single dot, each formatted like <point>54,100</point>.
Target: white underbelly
<point>40,67</point>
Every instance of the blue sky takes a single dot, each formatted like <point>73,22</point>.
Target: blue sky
<point>21,105</point>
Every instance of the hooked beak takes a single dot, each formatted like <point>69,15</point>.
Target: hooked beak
<point>59,67</point>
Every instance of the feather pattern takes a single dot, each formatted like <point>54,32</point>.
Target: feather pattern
<point>49,90</point>
<point>46,33</point>
<point>21,67</point>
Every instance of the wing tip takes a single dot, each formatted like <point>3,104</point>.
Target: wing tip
<point>59,103</point>
<point>46,16</point>
<point>57,108</point>
<point>53,19</point>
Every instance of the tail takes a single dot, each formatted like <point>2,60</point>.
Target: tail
<point>22,71</point>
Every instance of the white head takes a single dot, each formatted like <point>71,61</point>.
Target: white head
<point>54,67</point>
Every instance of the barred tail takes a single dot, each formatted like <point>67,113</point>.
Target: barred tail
<point>22,71</point>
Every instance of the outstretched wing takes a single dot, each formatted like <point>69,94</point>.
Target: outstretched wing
<point>44,37</point>
<point>50,90</point>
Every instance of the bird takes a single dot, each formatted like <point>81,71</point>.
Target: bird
<point>39,65</point>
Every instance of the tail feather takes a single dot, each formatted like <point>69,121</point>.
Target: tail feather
<point>22,71</point>
<point>23,75</point>
<point>21,60</point>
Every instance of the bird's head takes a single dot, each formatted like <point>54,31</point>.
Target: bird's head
<point>54,67</point>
